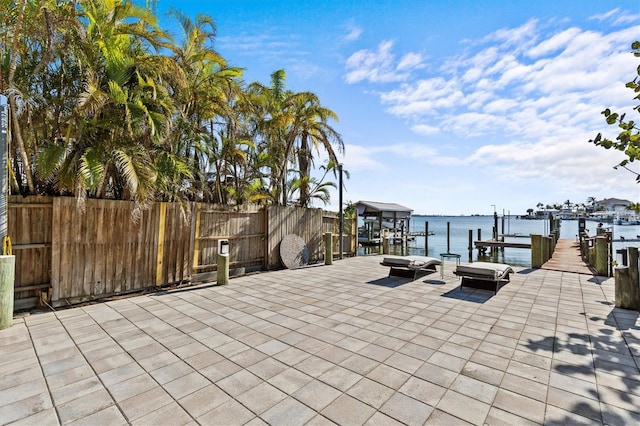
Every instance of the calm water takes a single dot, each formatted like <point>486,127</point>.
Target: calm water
<point>459,236</point>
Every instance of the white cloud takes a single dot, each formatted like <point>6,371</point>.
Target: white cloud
<point>424,129</point>
<point>379,66</point>
<point>555,43</point>
<point>353,32</point>
<point>359,158</point>
<point>617,17</point>
<point>411,61</point>
<point>606,15</point>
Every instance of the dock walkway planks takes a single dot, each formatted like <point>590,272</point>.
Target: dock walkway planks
<point>566,258</point>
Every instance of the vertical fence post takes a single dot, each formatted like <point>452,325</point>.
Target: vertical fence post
<point>7,260</point>
<point>160,256</point>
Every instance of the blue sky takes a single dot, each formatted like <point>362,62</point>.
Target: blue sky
<point>451,107</point>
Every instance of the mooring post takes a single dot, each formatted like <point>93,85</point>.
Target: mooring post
<point>544,249</point>
<point>624,297</point>
<point>470,245</point>
<point>385,241</point>
<point>601,256</point>
<point>634,279</point>
<point>536,251</point>
<point>426,238</point>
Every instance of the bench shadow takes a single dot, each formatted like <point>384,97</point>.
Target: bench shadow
<point>398,277</point>
<point>390,282</point>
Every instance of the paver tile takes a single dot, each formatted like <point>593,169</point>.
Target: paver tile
<point>406,409</point>
<point>381,419</point>
<point>132,387</point>
<point>239,382</point>
<point>75,390</point>
<point>483,373</point>
<point>44,417</point>
<point>185,385</point>
<point>347,410</point>
<point>170,414</point>
<point>22,391</point>
<point>474,388</point>
<point>464,407</point>
<point>525,387</point>
<point>370,392</point>
<point>340,378</point>
<point>25,408</point>
<point>84,406</point>
<point>261,397</point>
<point>288,412</point>
<point>204,400</point>
<point>423,390</point>
<point>316,394</point>
<point>515,403</point>
<point>389,376</point>
<point>144,403</point>
<point>108,416</point>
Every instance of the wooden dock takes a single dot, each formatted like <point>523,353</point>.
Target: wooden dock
<point>501,244</point>
<point>566,258</point>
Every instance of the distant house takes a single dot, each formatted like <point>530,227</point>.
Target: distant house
<point>545,213</point>
<point>614,205</point>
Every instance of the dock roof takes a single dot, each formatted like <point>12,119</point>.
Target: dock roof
<point>386,210</point>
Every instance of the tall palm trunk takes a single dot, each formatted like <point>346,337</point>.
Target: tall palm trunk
<point>304,164</point>
<point>13,109</point>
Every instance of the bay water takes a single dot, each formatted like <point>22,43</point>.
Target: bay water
<point>519,230</point>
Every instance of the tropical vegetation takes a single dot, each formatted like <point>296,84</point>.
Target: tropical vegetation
<point>628,139</point>
<point>104,103</point>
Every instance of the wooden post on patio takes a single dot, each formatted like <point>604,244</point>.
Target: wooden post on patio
<point>536,251</point>
<point>627,290</point>
<point>634,279</point>
<point>328,248</point>
<point>7,278</point>
<point>601,255</point>
<point>385,241</point>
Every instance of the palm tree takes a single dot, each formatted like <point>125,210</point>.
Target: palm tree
<point>205,88</point>
<point>291,126</point>
<point>267,124</point>
<point>311,130</point>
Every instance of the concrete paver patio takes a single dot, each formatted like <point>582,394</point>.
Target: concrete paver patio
<point>343,344</point>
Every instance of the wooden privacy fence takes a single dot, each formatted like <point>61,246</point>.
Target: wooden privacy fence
<point>65,255</point>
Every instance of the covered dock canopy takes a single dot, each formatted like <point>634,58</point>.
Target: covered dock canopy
<point>378,215</point>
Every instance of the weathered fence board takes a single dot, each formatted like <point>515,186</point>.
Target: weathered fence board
<point>243,226</point>
<point>30,226</point>
<point>305,223</point>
